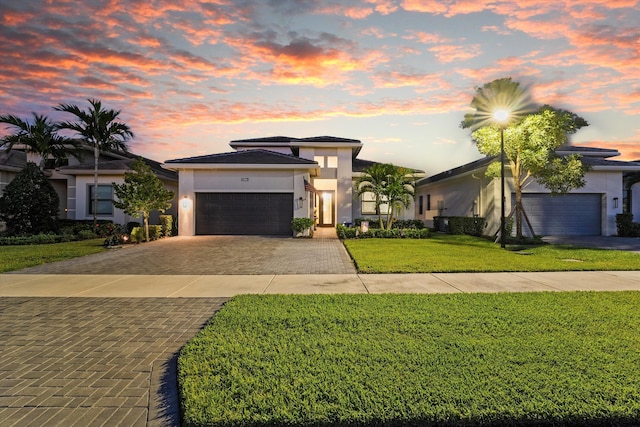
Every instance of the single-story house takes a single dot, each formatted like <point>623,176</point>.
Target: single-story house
<point>73,180</point>
<point>266,182</point>
<point>590,210</point>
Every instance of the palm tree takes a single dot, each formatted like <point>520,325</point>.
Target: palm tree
<point>373,180</point>
<point>98,128</point>
<point>391,185</point>
<point>399,191</point>
<point>38,137</point>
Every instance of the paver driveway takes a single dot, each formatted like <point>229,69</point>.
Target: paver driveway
<point>205,255</point>
<point>94,361</point>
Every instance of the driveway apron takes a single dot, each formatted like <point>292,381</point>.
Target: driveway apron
<point>94,361</point>
<point>212,255</point>
<point>112,361</point>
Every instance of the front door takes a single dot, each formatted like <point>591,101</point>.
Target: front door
<point>326,209</point>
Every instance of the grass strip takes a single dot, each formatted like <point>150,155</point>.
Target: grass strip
<point>457,253</point>
<point>416,360</point>
<point>18,257</point>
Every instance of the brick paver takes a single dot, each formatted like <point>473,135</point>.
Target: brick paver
<point>214,255</point>
<point>94,361</point>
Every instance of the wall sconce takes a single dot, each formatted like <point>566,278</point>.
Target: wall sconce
<point>299,203</point>
<point>615,202</point>
<point>186,203</point>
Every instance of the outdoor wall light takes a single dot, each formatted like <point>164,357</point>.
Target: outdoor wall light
<point>615,202</point>
<point>186,203</point>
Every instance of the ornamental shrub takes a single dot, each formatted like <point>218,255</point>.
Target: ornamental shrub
<point>626,226</point>
<point>379,233</point>
<point>155,232</point>
<point>166,225</point>
<point>29,204</point>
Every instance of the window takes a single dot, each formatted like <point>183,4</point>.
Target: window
<point>332,161</point>
<point>319,160</point>
<point>369,205</point>
<point>105,198</point>
<point>420,201</point>
<point>428,202</point>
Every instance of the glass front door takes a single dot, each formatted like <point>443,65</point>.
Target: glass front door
<point>326,209</point>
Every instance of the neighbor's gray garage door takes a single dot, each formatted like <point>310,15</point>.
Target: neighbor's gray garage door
<point>563,215</point>
<point>244,213</point>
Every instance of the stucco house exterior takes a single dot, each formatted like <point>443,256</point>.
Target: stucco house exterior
<point>74,180</point>
<point>590,210</point>
<point>266,182</point>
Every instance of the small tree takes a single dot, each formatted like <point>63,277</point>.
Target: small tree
<point>141,193</point>
<point>530,140</point>
<point>29,204</point>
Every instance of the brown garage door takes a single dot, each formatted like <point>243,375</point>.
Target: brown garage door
<point>244,213</point>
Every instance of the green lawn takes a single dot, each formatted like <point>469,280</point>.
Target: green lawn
<point>416,360</point>
<point>447,253</point>
<point>18,257</point>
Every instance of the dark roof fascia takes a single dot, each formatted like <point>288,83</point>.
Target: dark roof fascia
<point>296,143</point>
<point>587,151</point>
<point>246,158</point>
<point>614,165</point>
<point>460,170</point>
<point>118,167</point>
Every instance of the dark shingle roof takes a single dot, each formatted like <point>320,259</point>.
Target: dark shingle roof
<point>289,140</point>
<point>588,151</point>
<point>477,164</point>
<point>120,165</point>
<point>329,139</point>
<point>250,157</point>
<point>591,160</point>
<point>13,159</point>
<point>266,140</point>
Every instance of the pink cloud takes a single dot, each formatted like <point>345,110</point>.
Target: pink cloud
<point>427,38</point>
<point>455,53</point>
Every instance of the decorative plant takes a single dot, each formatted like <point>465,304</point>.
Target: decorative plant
<point>300,224</point>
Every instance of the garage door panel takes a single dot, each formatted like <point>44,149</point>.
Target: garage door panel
<point>563,215</point>
<point>244,213</point>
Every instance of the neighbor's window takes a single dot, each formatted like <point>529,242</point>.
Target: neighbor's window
<point>332,161</point>
<point>428,202</point>
<point>105,198</point>
<point>369,205</point>
<point>420,201</point>
<point>319,160</point>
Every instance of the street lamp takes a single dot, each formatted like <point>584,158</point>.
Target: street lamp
<point>501,117</point>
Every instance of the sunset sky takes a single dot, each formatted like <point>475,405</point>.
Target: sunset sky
<point>190,76</point>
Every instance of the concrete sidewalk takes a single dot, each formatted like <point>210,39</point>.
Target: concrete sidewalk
<point>196,286</point>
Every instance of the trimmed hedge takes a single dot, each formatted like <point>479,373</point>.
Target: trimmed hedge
<point>401,223</point>
<point>626,226</point>
<point>395,233</point>
<point>473,226</point>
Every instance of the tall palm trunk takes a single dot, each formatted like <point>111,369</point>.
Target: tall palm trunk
<point>96,156</point>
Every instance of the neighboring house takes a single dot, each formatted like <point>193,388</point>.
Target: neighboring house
<point>73,181</point>
<point>11,162</point>
<point>632,193</point>
<point>590,210</point>
<point>266,182</point>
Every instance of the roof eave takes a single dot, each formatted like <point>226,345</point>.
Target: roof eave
<point>237,166</point>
